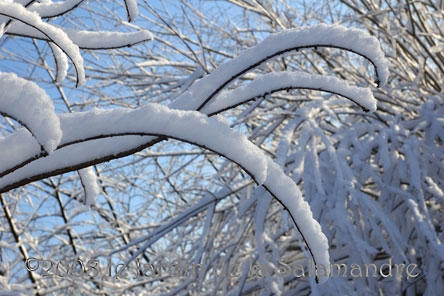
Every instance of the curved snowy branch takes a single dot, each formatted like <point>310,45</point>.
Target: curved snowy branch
<point>30,105</point>
<point>87,39</point>
<point>273,82</point>
<point>152,119</point>
<point>57,36</point>
<point>108,40</point>
<point>131,9</point>
<point>61,62</point>
<point>54,9</point>
<point>112,148</point>
<point>192,127</point>
<point>333,36</point>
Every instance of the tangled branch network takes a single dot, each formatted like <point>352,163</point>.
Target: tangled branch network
<point>50,144</point>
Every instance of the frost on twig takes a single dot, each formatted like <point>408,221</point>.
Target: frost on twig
<point>90,186</point>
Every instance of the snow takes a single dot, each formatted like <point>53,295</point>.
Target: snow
<point>354,40</point>
<point>152,119</point>
<point>155,119</point>
<point>17,148</point>
<point>285,190</point>
<point>377,189</point>
<point>61,61</point>
<point>131,7</point>
<point>2,27</point>
<point>30,105</point>
<point>437,48</point>
<point>190,126</point>
<point>206,203</point>
<point>52,33</point>
<point>73,157</point>
<point>4,20</point>
<point>82,138</point>
<point>53,9</point>
<point>272,82</point>
<point>89,182</point>
<point>88,39</point>
<point>102,39</point>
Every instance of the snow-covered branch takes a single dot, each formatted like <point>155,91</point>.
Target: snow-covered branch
<point>93,40</point>
<point>195,128</point>
<point>274,82</point>
<point>333,36</point>
<point>53,9</point>
<point>57,36</point>
<point>30,105</point>
<point>229,138</point>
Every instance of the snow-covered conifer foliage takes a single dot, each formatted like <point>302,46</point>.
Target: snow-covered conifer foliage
<point>150,147</point>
